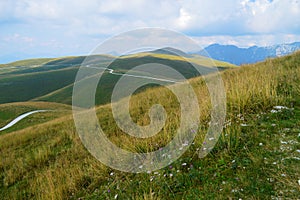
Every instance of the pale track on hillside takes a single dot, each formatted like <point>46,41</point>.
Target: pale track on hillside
<point>19,118</point>
<point>111,71</point>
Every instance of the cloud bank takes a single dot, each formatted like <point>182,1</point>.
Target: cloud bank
<point>53,27</point>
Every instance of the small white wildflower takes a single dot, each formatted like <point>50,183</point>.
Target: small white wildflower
<point>274,163</point>
<point>234,190</point>
<point>260,144</point>
<point>223,182</point>
<point>171,175</point>
<point>283,175</point>
<point>155,173</point>
<point>148,172</point>
<point>151,179</point>
<point>298,150</point>
<point>141,166</point>
<point>233,161</point>
<point>244,125</point>
<point>274,111</point>
<point>178,171</point>
<point>211,138</point>
<point>273,124</point>
<point>116,196</point>
<point>111,174</point>
<point>180,148</point>
<point>185,144</point>
<point>283,142</point>
<point>270,180</point>
<point>280,107</point>
<point>299,181</point>
<point>183,164</point>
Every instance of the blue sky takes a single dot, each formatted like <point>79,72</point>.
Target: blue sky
<point>51,28</point>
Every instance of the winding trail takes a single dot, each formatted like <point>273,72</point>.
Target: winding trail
<point>19,118</point>
<point>111,71</point>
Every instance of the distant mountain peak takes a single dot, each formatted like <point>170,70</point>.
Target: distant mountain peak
<point>253,54</point>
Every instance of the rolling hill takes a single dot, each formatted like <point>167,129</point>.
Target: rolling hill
<point>256,157</point>
<point>52,79</point>
<point>9,111</point>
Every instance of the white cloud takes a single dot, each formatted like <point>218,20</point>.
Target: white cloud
<point>18,38</point>
<point>184,19</point>
<point>264,16</point>
<point>39,10</point>
<point>205,13</point>
<point>202,17</point>
<point>240,17</point>
<point>6,10</point>
<point>77,25</point>
<point>247,40</point>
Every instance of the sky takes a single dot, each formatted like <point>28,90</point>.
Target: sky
<point>52,28</point>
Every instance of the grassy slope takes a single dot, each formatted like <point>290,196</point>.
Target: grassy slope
<point>257,161</point>
<point>47,79</point>
<point>22,64</point>
<point>107,82</point>
<point>10,111</point>
<point>29,62</point>
<point>28,86</point>
<point>197,59</point>
<point>28,79</point>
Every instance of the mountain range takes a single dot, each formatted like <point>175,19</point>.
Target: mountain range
<point>227,53</point>
<point>239,56</point>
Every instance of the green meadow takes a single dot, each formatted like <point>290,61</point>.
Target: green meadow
<point>256,157</point>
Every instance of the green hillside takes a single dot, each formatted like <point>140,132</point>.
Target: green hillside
<point>108,81</point>
<point>23,87</point>
<point>10,111</point>
<point>256,157</point>
<point>51,80</point>
<point>29,62</point>
<point>22,64</point>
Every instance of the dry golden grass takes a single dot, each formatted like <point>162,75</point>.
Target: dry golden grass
<point>48,161</point>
